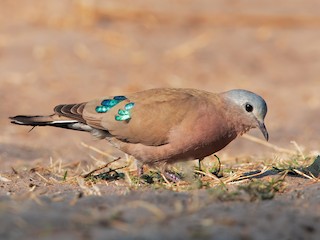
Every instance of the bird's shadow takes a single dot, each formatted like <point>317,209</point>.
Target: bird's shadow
<point>313,171</point>
<point>255,174</point>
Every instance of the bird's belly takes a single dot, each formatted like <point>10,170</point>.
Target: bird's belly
<point>203,150</point>
<point>186,142</point>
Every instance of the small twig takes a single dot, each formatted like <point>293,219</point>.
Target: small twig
<point>4,179</point>
<point>166,180</point>
<point>118,168</point>
<point>128,177</point>
<point>46,180</point>
<point>60,165</point>
<point>14,170</point>
<point>232,178</point>
<point>298,148</point>
<point>210,175</point>
<point>102,167</point>
<point>53,179</point>
<point>267,144</point>
<point>96,150</point>
<point>302,174</point>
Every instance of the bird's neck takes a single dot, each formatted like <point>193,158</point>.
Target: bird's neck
<point>237,122</point>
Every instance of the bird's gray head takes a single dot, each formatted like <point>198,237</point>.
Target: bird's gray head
<point>252,104</point>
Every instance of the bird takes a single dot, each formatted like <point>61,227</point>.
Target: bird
<point>162,126</point>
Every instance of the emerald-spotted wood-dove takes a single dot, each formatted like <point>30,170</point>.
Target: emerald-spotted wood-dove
<point>165,125</point>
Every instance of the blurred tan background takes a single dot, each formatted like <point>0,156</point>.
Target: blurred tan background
<point>55,52</point>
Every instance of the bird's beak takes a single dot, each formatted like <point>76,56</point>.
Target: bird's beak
<point>264,131</point>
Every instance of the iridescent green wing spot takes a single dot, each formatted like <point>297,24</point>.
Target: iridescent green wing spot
<point>107,104</point>
<point>102,109</point>
<point>120,98</point>
<point>124,114</point>
<point>128,106</point>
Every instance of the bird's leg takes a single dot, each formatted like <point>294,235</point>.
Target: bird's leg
<point>199,163</point>
<point>198,173</point>
<point>217,172</point>
<point>139,168</point>
<point>218,162</point>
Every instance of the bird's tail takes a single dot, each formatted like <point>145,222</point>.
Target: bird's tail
<point>51,120</point>
<point>67,116</point>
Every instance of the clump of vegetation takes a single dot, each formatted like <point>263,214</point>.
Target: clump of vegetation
<point>255,189</point>
<point>263,190</point>
<point>235,179</point>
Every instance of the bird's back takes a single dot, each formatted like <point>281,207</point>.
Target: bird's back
<point>155,114</point>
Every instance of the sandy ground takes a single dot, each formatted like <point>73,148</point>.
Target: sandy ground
<point>55,52</point>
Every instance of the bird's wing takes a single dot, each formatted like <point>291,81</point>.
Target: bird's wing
<point>150,117</point>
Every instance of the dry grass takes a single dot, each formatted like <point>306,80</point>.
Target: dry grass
<point>258,179</point>
<point>245,179</point>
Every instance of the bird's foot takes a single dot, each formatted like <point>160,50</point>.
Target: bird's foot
<point>139,168</point>
<point>140,171</point>
<point>172,176</point>
<point>143,178</point>
<point>218,173</point>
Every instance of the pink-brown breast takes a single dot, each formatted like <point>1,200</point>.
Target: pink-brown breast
<point>204,130</point>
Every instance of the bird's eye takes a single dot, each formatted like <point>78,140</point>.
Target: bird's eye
<point>249,107</point>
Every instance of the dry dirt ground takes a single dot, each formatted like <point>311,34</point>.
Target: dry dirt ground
<point>55,52</point>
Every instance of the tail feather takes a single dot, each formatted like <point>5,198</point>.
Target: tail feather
<point>39,120</point>
<point>72,111</point>
<point>51,120</point>
<point>60,122</point>
<point>55,120</point>
<point>67,116</point>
